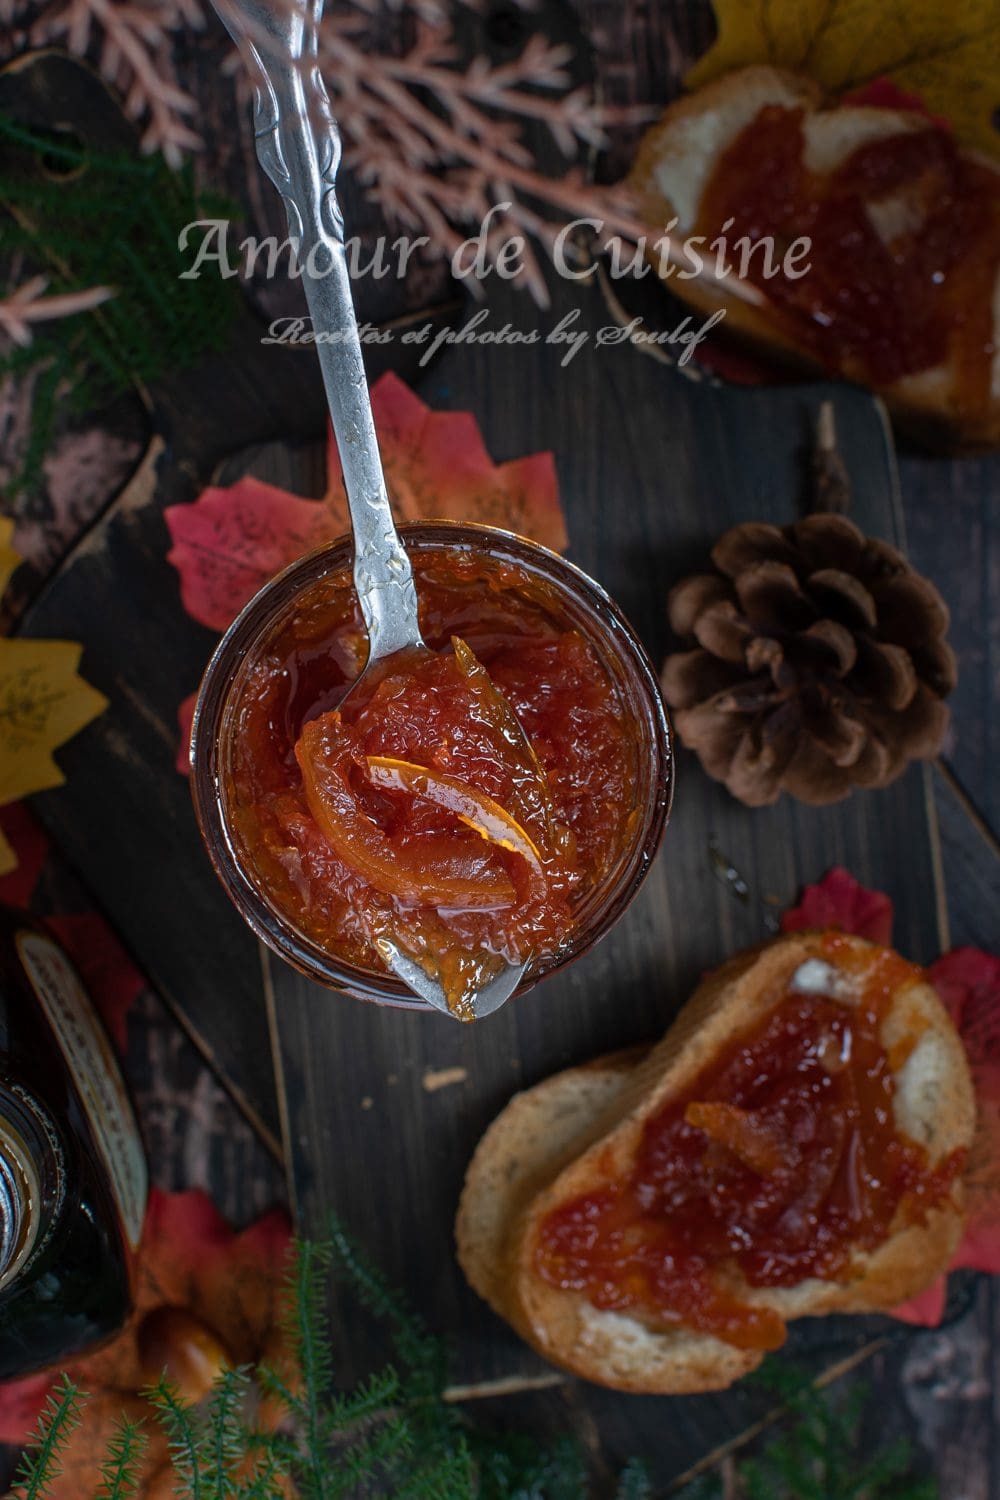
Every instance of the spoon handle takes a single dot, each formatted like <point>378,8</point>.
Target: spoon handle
<point>298,146</point>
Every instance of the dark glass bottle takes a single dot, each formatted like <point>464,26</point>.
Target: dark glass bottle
<point>72,1173</point>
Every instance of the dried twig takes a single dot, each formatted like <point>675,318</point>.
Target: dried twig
<point>131,41</point>
<point>20,309</point>
<point>831,482</point>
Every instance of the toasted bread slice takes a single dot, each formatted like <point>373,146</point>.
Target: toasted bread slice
<point>674,165</point>
<point>540,1131</point>
<point>582,1128</point>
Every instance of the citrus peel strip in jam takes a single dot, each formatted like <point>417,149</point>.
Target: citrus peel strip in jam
<point>434,869</point>
<point>472,808</point>
<point>533,800</point>
<point>747,1133</point>
<point>711,1208</point>
<point>504,653</point>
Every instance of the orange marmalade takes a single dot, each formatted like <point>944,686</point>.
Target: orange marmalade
<point>417,814</point>
<point>776,1164</point>
<point>874,307</point>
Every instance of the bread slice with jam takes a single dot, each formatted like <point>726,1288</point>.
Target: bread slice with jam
<point>572,1151</point>
<point>904,296</point>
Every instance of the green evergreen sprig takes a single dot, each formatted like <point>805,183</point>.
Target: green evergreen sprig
<point>42,1462</point>
<point>84,217</point>
<point>121,1470</point>
<point>813,1453</point>
<point>395,1435</point>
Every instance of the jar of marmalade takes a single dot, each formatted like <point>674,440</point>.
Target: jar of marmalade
<point>414,814</point>
<point>72,1171</point>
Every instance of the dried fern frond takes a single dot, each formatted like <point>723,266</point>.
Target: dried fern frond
<point>28,305</point>
<point>437,140</point>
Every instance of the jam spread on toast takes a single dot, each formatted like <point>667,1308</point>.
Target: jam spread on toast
<point>778,1163</point>
<point>905,248</point>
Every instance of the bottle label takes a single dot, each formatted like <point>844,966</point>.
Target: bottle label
<point>95,1072</point>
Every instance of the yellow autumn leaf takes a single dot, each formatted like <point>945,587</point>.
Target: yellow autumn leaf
<point>9,559</point>
<point>43,703</point>
<point>947,53</point>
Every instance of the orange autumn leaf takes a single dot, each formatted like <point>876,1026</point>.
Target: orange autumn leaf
<point>232,540</point>
<point>190,1259</point>
<point>437,467</point>
<point>947,54</point>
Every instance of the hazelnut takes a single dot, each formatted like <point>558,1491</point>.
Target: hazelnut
<point>176,1341</point>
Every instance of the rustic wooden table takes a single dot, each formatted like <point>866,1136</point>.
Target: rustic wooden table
<point>246,1076</point>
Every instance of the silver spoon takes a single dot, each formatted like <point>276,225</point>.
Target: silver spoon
<point>298,146</point>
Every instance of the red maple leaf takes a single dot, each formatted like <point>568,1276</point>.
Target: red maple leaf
<point>838,900</point>
<point>109,976</point>
<point>436,466</point>
<point>231,541</point>
<point>28,840</point>
<point>968,982</point>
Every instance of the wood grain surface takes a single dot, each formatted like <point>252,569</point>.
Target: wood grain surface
<point>652,467</point>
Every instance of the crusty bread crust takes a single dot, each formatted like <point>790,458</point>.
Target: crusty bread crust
<point>683,148</point>
<point>581,1128</point>
<point>540,1131</point>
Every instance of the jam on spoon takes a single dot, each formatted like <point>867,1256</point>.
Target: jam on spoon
<point>424,784</point>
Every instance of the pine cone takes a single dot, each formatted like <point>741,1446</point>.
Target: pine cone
<point>821,662</point>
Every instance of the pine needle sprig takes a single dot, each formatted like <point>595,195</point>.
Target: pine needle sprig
<point>394,1434</point>
<point>634,1482</point>
<point>121,1469</point>
<point>225,1435</point>
<point>370,1399</point>
<point>513,1466</point>
<point>180,1423</point>
<point>213,1451</point>
<point>304,1322</point>
<point>384,1451</point>
<point>423,1356</point>
<point>41,1465</point>
<point>813,1454</point>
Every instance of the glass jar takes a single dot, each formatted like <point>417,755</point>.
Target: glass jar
<point>584,605</point>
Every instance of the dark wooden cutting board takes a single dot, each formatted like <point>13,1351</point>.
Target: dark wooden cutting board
<point>652,467</point>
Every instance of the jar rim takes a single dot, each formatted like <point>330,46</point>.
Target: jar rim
<point>250,627</point>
